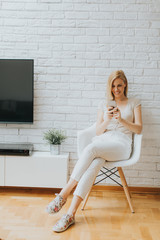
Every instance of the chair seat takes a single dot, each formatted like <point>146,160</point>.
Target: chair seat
<point>122,163</point>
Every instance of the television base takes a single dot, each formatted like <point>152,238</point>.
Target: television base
<point>16,149</point>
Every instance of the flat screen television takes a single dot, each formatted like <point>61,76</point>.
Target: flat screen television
<point>16,90</point>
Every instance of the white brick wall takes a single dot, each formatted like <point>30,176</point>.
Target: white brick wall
<point>76,45</point>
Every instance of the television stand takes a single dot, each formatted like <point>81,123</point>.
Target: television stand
<point>16,149</point>
<point>41,170</point>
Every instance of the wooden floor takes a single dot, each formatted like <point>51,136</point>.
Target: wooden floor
<point>107,217</point>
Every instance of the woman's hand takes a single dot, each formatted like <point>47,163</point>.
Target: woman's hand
<point>135,126</point>
<point>109,113</point>
<point>117,114</point>
<point>102,124</point>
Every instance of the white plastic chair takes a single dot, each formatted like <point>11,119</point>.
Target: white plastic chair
<point>84,138</point>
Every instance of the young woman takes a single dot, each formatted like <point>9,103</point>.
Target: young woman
<point>113,141</point>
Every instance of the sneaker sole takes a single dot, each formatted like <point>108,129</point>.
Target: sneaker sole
<point>59,231</point>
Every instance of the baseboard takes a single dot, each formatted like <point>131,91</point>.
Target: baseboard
<point>94,188</point>
<point>132,188</point>
<point>30,189</point>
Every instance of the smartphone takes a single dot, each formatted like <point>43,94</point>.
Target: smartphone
<point>112,104</point>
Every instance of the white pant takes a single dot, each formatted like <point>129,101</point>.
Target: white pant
<point>110,146</point>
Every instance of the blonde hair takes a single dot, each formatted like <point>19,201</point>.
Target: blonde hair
<point>113,76</point>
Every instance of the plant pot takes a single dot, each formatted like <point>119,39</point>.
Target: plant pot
<point>54,149</point>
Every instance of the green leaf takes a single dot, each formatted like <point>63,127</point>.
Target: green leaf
<point>54,136</point>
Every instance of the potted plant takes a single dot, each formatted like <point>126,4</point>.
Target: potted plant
<point>54,137</point>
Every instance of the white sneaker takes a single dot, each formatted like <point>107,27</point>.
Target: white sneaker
<point>56,205</point>
<point>64,223</point>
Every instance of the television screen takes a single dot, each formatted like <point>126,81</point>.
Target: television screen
<point>16,91</point>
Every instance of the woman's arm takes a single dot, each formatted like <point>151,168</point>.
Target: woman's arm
<point>102,124</point>
<point>135,127</point>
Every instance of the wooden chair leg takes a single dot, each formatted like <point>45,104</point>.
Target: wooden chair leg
<point>125,187</point>
<point>86,198</point>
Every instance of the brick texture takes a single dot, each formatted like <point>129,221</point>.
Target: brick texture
<point>75,46</point>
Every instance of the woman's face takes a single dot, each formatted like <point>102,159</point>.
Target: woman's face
<point>118,87</point>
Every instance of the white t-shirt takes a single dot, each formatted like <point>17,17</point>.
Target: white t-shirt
<point>127,113</point>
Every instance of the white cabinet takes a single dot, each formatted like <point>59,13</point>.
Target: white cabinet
<point>1,170</point>
<point>41,169</point>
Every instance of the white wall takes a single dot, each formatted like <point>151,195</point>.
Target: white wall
<point>75,46</point>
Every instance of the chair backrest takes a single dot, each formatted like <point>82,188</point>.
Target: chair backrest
<point>136,149</point>
<point>85,136</point>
